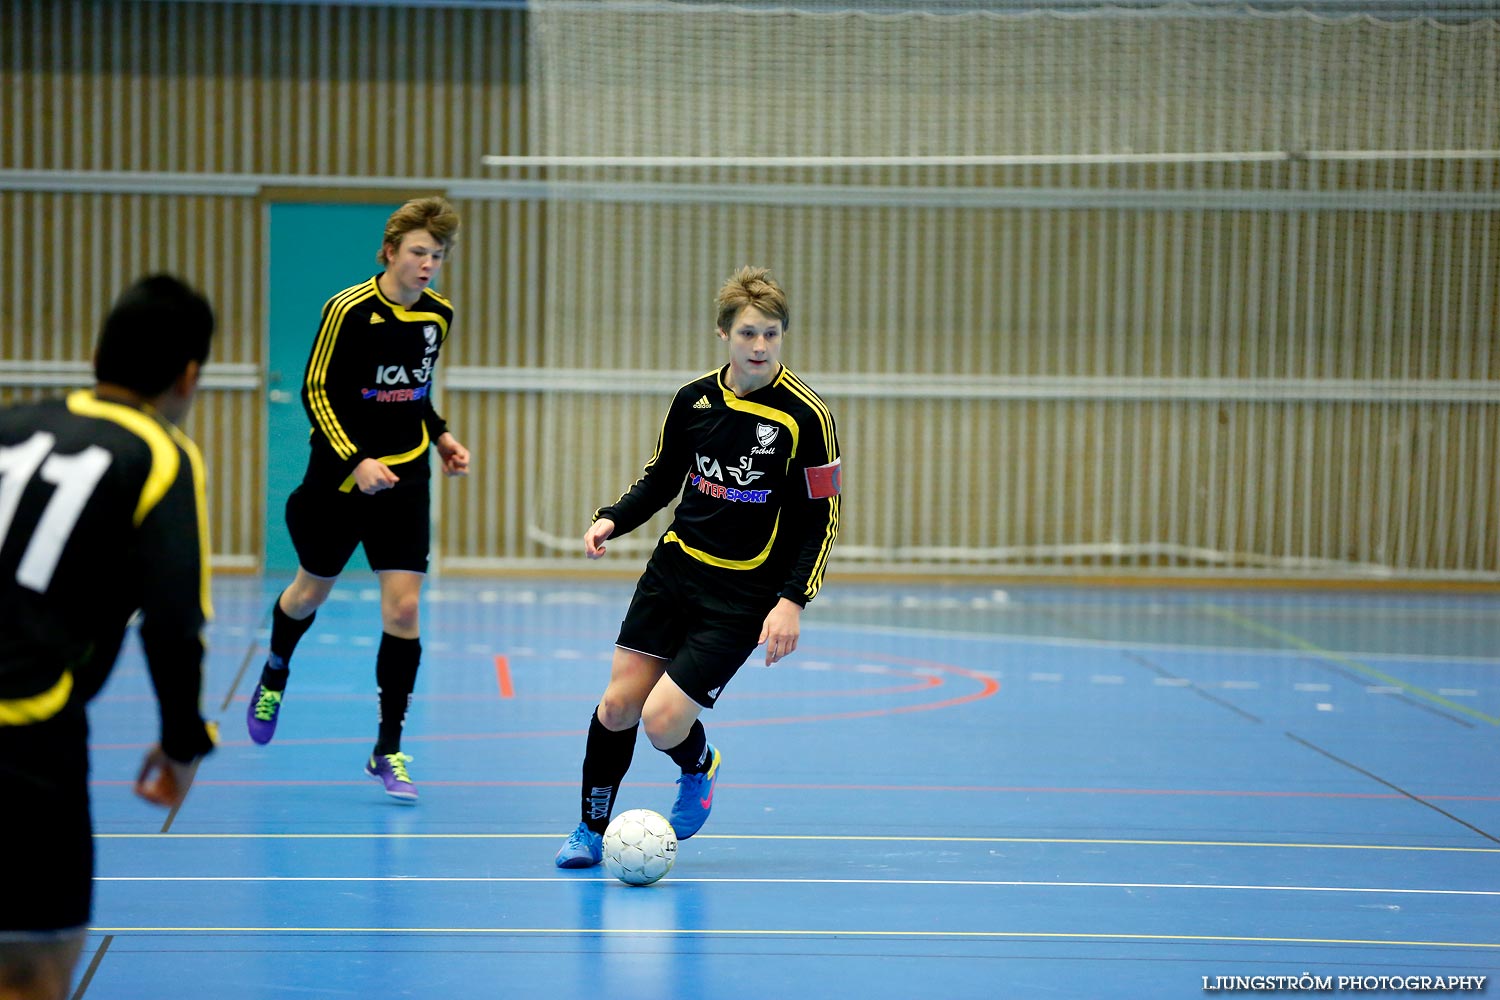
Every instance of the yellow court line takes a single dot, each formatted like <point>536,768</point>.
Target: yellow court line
<point>824,838</point>
<point>1328,654</point>
<point>773,932</point>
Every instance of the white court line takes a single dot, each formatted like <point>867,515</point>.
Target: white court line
<point>993,883</point>
<point>810,635</point>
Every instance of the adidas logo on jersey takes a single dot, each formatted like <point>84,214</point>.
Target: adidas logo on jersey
<point>703,404</point>
<point>376,318</point>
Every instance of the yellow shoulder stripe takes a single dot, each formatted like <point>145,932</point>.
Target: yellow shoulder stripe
<point>761,410</point>
<point>406,315</point>
<point>164,461</point>
<point>412,316</point>
<point>800,389</point>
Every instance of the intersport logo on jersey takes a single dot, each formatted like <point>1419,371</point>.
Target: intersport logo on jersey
<point>729,493</point>
<point>396,395</point>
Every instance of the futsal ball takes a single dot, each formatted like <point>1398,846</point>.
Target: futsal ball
<point>639,846</point>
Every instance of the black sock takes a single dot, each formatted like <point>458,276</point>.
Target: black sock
<point>395,677</point>
<point>692,753</point>
<point>285,633</point>
<point>606,758</point>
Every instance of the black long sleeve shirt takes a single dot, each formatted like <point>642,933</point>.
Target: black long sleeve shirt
<point>102,513</point>
<point>759,479</point>
<point>367,389</point>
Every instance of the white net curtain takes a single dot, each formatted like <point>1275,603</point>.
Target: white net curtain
<point>1169,290</point>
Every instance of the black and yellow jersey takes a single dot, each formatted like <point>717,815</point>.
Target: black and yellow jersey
<point>102,513</point>
<point>368,384</point>
<point>760,482</point>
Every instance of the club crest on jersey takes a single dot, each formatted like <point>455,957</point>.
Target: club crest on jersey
<point>765,436</point>
<point>430,331</point>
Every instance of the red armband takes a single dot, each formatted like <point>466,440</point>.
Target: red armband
<point>824,481</point>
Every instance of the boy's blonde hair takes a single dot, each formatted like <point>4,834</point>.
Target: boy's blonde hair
<point>751,286</point>
<point>433,214</point>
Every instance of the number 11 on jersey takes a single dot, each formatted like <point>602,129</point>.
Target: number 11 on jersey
<point>74,477</point>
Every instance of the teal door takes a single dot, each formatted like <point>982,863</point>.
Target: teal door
<point>316,250</point>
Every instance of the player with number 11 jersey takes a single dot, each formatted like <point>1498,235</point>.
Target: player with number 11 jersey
<point>102,514</point>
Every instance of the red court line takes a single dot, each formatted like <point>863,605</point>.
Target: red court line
<point>988,686</point>
<point>314,741</point>
<point>502,674</point>
<point>922,685</point>
<point>351,696</point>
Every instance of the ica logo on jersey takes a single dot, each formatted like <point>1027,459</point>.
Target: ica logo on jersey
<point>391,375</point>
<point>397,375</point>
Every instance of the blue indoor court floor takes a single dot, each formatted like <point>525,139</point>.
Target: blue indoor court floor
<point>946,792</point>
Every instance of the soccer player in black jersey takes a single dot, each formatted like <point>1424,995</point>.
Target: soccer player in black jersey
<point>102,513</point>
<point>755,455</point>
<point>367,392</point>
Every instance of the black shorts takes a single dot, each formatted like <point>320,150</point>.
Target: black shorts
<point>394,526</point>
<point>47,833</point>
<point>676,615</point>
